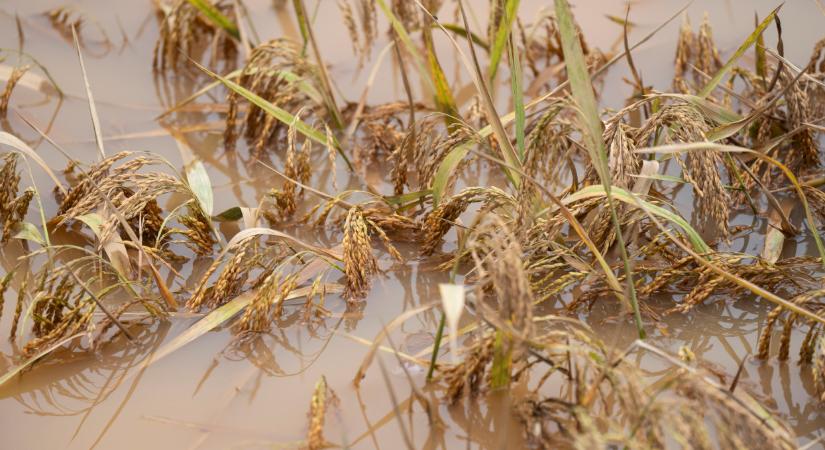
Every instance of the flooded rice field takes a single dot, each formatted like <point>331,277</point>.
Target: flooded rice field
<point>248,223</point>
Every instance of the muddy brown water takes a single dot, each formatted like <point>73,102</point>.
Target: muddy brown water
<point>213,394</point>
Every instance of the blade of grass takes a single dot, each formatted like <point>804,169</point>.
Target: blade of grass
<point>198,180</point>
<point>761,62</point>
<point>502,37</point>
<point>452,300</point>
<point>459,30</point>
<point>287,75</point>
<point>444,100</point>
<point>327,92</point>
<point>114,247</point>
<point>620,194</point>
<point>250,232</point>
<point>27,231</point>
<point>774,238</point>
<point>445,170</point>
<point>717,78</point>
<point>92,109</point>
<point>518,97</point>
<point>300,15</point>
<point>276,112</point>
<point>218,317</point>
<point>439,335</point>
<point>582,91</point>
<point>216,17</point>
<point>24,149</point>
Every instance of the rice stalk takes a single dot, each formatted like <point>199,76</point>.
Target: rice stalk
<point>592,129</point>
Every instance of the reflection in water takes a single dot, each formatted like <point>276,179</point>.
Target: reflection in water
<point>69,384</point>
<point>297,351</point>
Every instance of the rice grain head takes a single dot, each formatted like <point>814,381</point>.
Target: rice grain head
<point>183,30</point>
<point>323,398</point>
<point>359,262</point>
<point>16,74</point>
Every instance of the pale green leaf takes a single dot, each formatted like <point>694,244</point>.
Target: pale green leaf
<point>201,186</point>
<point>452,300</point>
<point>27,231</point>
<point>501,36</point>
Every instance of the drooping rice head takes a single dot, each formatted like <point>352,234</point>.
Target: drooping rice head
<point>17,73</point>
<point>500,269</point>
<point>695,50</point>
<point>269,272</point>
<point>323,398</point>
<point>185,32</point>
<point>13,207</point>
<point>58,306</point>
<point>818,368</point>
<point>134,191</point>
<point>702,168</point>
<point>279,73</point>
<point>441,219</point>
<point>359,262</point>
<point>580,394</point>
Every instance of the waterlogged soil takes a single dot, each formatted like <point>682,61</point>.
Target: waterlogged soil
<point>214,393</point>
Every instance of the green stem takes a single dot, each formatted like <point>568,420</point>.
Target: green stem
<point>631,287</point>
<point>436,345</point>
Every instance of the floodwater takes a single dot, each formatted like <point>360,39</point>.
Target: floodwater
<point>215,394</point>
